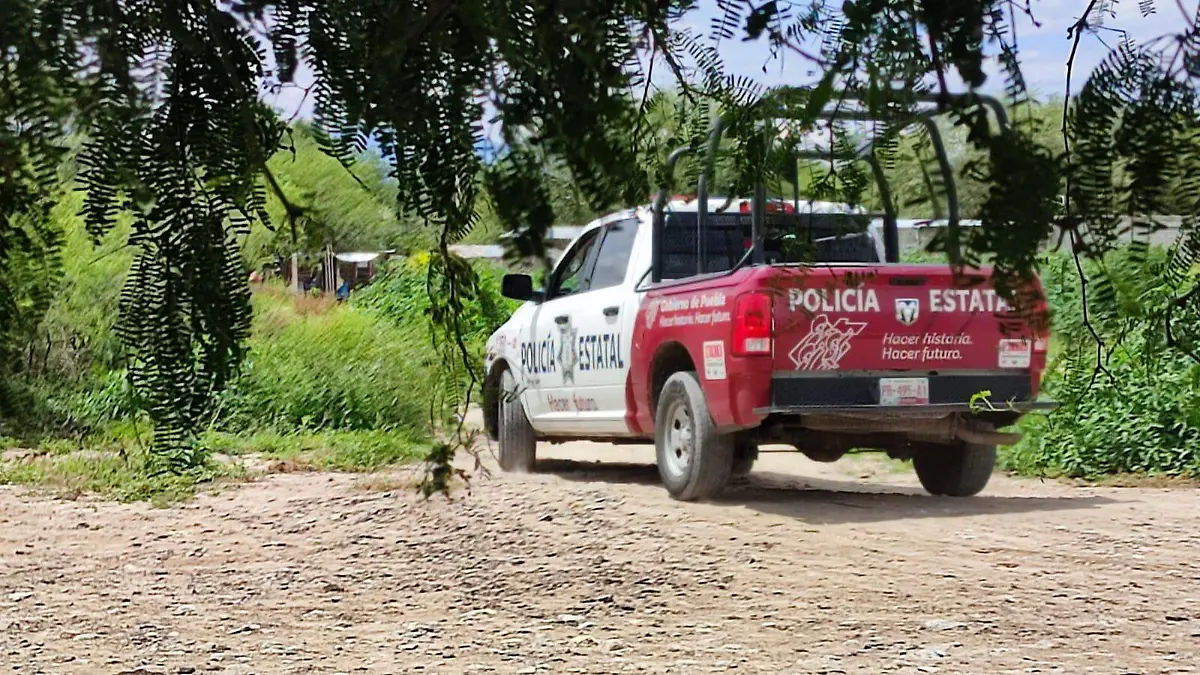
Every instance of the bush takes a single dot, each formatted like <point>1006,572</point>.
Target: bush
<point>64,373</point>
<point>401,295</point>
<point>105,399</point>
<point>1143,416</point>
<point>1146,419</point>
<point>329,366</point>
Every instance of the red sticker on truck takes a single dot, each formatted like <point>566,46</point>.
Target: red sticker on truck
<point>1015,353</point>
<point>714,360</point>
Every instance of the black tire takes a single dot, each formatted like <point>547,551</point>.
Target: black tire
<point>518,445</point>
<point>744,456</point>
<point>955,471</point>
<point>702,470</point>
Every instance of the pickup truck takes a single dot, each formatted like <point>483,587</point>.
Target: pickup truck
<point>815,343</point>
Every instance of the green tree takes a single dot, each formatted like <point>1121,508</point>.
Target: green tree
<point>912,166</point>
<point>348,208</point>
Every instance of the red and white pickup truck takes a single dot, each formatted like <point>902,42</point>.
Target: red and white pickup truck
<point>711,360</point>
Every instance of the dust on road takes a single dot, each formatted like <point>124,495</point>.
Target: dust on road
<point>586,568</point>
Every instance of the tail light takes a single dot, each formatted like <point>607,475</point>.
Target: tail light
<point>752,324</point>
<point>1041,345</point>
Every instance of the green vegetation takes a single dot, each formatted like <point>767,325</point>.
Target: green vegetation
<point>326,450</point>
<point>350,209</point>
<point>131,347</point>
<point>1137,409</point>
<point>399,294</point>
<point>126,478</point>
<point>327,366</point>
<point>324,385</point>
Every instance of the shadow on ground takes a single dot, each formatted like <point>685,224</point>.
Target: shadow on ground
<point>826,501</point>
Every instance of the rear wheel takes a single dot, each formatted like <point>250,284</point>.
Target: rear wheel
<point>744,455</point>
<point>955,471</point>
<point>518,446</point>
<point>694,460</point>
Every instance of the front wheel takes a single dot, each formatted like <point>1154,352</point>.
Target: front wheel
<point>955,471</point>
<point>695,461</point>
<point>518,445</point>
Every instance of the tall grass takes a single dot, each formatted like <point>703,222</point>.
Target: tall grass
<point>317,364</point>
<point>401,296</point>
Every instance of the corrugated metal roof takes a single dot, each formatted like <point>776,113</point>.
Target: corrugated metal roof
<point>360,256</point>
<point>491,251</point>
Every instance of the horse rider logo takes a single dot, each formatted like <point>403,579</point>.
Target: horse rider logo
<point>826,343</point>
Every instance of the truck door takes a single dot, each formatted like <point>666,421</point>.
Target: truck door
<point>547,355</point>
<point>604,323</point>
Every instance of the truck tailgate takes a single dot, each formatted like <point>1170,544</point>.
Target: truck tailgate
<point>896,335</point>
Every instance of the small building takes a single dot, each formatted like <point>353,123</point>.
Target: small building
<point>360,267</point>
<point>327,270</point>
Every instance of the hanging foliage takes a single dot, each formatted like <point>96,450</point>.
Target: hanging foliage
<point>167,95</point>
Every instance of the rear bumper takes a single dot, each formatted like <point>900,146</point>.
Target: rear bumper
<point>852,390</point>
<point>947,408</point>
<point>973,424</point>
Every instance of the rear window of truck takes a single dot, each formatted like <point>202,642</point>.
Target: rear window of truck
<point>790,238</point>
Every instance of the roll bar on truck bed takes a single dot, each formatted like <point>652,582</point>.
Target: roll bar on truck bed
<point>756,255</point>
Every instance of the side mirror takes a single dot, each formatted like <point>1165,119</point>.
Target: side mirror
<point>517,287</point>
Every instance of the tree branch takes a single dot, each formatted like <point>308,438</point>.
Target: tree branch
<point>637,130</point>
<point>293,211</point>
<point>1189,18</point>
<point>1180,302</point>
<point>1075,33</point>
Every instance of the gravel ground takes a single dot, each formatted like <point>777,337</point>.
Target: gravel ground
<point>591,568</point>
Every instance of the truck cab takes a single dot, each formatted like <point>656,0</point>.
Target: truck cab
<point>567,348</point>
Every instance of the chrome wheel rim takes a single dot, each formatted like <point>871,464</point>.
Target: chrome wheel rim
<point>678,441</point>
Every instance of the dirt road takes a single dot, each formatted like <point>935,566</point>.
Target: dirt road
<point>584,568</point>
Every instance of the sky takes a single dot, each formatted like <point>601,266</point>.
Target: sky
<point>1044,49</point>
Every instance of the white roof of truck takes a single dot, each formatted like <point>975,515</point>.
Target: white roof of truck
<point>716,204</point>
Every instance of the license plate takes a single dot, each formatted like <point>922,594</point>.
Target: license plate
<point>904,391</point>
